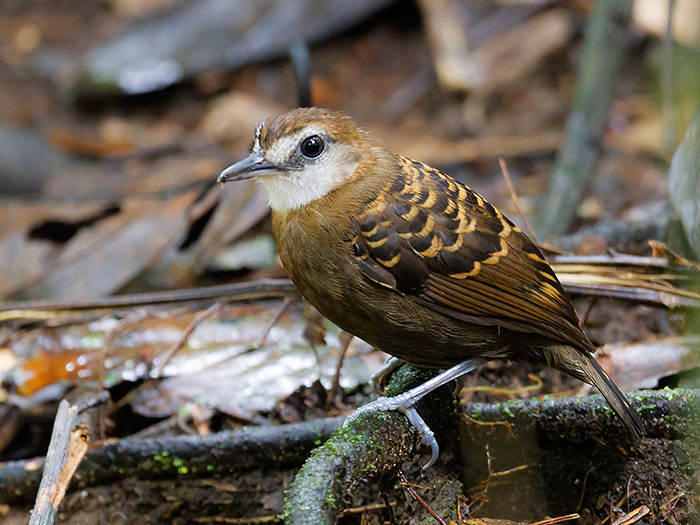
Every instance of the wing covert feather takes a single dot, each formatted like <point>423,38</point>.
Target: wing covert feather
<point>438,242</point>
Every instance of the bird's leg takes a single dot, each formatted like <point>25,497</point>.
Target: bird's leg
<point>378,380</point>
<point>405,403</point>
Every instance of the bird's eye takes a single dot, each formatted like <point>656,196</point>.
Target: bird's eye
<point>312,147</point>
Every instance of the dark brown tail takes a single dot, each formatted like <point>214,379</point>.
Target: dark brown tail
<point>612,394</point>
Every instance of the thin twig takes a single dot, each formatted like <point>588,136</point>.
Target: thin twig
<point>633,517</point>
<point>406,485</point>
<point>240,521</point>
<point>516,202</point>
<point>558,519</point>
<point>288,301</point>
<point>618,506</point>
<point>365,508</point>
<point>461,499</point>
<point>510,471</point>
<point>537,385</point>
<point>588,311</point>
<point>672,500</point>
<point>133,394</point>
<point>110,337</point>
<point>583,490</point>
<point>508,426</point>
<point>484,485</point>
<point>629,482</point>
<point>346,339</point>
<point>52,310</point>
<point>174,349</point>
<point>185,336</point>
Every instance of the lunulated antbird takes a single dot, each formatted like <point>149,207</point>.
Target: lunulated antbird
<point>411,261</point>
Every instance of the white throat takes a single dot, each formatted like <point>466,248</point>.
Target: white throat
<point>297,188</point>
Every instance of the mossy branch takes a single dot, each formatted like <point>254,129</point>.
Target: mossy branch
<point>177,457</point>
<point>666,413</point>
<point>371,449</point>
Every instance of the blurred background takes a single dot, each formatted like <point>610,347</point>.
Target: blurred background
<point>116,116</point>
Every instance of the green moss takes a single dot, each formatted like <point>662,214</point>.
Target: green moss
<point>506,408</point>
<point>670,394</point>
<point>476,410</point>
<point>165,462</point>
<point>330,499</point>
<point>162,457</point>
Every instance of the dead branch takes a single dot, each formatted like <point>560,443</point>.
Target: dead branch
<point>57,310</point>
<point>67,448</point>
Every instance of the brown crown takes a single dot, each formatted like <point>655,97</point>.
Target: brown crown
<point>337,126</point>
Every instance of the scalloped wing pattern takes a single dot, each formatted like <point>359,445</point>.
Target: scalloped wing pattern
<point>435,240</point>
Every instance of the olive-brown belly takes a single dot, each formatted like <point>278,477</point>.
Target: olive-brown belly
<point>396,324</point>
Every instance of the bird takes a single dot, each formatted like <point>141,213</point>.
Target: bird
<point>413,262</point>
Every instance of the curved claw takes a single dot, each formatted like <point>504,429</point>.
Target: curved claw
<point>426,435</point>
<point>378,380</point>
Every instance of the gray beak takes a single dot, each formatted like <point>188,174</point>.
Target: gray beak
<point>252,166</point>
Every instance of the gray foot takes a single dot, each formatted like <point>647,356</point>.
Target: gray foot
<point>405,403</point>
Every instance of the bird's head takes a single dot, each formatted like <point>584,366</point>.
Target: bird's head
<point>303,155</point>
